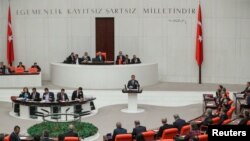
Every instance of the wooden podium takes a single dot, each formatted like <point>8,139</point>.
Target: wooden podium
<point>132,101</point>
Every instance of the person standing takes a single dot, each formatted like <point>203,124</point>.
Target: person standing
<point>133,84</point>
<point>14,136</point>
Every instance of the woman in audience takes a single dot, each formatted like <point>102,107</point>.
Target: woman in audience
<point>25,93</point>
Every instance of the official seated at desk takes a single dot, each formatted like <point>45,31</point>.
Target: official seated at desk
<point>133,84</point>
<point>120,58</point>
<point>247,89</point>
<point>164,126</point>
<point>62,96</point>
<point>135,60</point>
<point>118,130</point>
<point>2,68</point>
<point>35,96</point>
<point>77,94</point>
<point>70,59</point>
<point>77,60</point>
<point>48,96</point>
<point>20,65</point>
<point>138,129</point>
<point>245,105</point>
<point>127,60</point>
<point>85,58</point>
<point>35,65</point>
<point>100,57</point>
<point>25,94</point>
<point>245,119</point>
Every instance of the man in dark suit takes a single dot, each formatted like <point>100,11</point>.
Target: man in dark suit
<point>163,127</point>
<point>247,104</point>
<point>14,136</point>
<point>62,96</point>
<point>71,132</point>
<point>178,123</point>
<point>70,59</point>
<point>77,94</point>
<point>247,89</point>
<point>85,58</point>
<point>36,66</point>
<point>35,96</point>
<point>118,130</point>
<point>120,58</point>
<point>135,60</point>
<point>245,119</point>
<point>133,84</point>
<point>48,96</point>
<point>100,57</point>
<point>138,129</point>
<point>2,68</point>
<point>46,136</point>
<point>127,60</point>
<point>77,59</point>
<point>208,118</point>
<point>21,65</point>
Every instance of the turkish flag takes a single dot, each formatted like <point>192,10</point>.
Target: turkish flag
<point>10,49</point>
<point>199,39</point>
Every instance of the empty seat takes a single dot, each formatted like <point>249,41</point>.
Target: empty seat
<point>71,139</point>
<point>149,135</point>
<point>185,130</point>
<point>123,137</point>
<point>225,122</point>
<point>215,120</point>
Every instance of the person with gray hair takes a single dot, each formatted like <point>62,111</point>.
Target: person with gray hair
<point>118,130</point>
<point>138,129</point>
<point>178,123</point>
<point>164,126</point>
<point>71,132</point>
<point>208,118</point>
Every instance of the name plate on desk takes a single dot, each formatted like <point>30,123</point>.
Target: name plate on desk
<point>132,90</point>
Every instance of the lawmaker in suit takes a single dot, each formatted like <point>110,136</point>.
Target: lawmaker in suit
<point>133,84</point>
<point>208,118</point>
<point>36,66</point>
<point>138,129</point>
<point>178,123</point>
<point>62,96</point>
<point>14,136</point>
<point>163,127</point>
<point>25,93</point>
<point>118,130</point>
<point>48,96</point>
<point>100,57</point>
<point>21,65</point>
<point>35,96</point>
<point>70,59</point>
<point>2,68</point>
<point>77,60</point>
<point>85,58</point>
<point>135,60</point>
<point>247,105</point>
<point>127,60</point>
<point>77,94</point>
<point>71,132</point>
<point>247,90</point>
<point>120,58</point>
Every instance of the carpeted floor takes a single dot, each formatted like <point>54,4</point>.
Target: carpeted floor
<point>107,116</point>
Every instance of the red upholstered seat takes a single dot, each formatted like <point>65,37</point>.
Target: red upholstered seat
<point>248,123</point>
<point>149,135</point>
<point>185,130</point>
<point>71,139</point>
<point>203,137</point>
<point>215,120</point>
<point>123,137</point>
<point>169,133</point>
<point>225,122</point>
<point>7,138</point>
<point>19,70</point>
<point>230,102</point>
<point>230,112</point>
<point>104,54</point>
<point>33,70</point>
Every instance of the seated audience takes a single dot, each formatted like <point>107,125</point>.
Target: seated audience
<point>223,116</point>
<point>247,104</point>
<point>164,126</point>
<point>35,96</point>
<point>46,136</point>
<point>70,59</point>
<point>60,137</point>
<point>245,119</point>
<point>71,132</point>
<point>194,132</point>
<point>36,66</point>
<point>135,60</point>
<point>118,130</point>
<point>178,123</point>
<point>62,96</point>
<point>208,118</point>
<point>37,138</point>
<point>120,58</point>
<point>25,93</point>
<point>100,57</point>
<point>85,58</point>
<point>21,65</point>
<point>133,84</point>
<point>14,136</point>
<point>77,94</point>
<point>48,96</point>
<point>247,89</point>
<point>2,68</point>
<point>127,60</point>
<point>138,129</point>
<point>77,60</point>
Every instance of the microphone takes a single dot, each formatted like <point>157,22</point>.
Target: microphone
<point>125,87</point>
